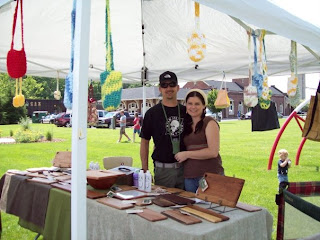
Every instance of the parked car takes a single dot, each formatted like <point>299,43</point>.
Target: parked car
<point>102,115</point>
<point>63,120</point>
<point>248,115</point>
<point>217,116</point>
<point>116,115</point>
<point>48,119</point>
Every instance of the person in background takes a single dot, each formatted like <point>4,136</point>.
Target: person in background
<point>122,121</point>
<point>164,123</point>
<point>283,164</point>
<point>202,141</point>
<point>136,126</point>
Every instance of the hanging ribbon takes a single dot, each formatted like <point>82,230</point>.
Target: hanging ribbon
<point>111,81</point>
<point>68,90</point>
<point>196,41</point>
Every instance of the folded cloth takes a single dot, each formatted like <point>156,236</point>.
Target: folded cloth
<point>28,200</point>
<point>4,186</point>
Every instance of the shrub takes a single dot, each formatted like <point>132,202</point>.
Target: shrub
<point>0,132</point>
<point>26,136</point>
<point>49,136</point>
<point>25,123</point>
<point>11,133</point>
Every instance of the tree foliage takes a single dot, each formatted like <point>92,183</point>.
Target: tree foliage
<point>8,113</point>
<point>212,96</point>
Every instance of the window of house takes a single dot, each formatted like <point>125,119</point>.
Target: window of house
<point>132,107</point>
<point>148,105</point>
<point>281,108</point>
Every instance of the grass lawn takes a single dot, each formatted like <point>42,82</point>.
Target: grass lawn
<point>244,154</point>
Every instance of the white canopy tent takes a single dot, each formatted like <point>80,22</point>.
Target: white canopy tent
<point>167,24</point>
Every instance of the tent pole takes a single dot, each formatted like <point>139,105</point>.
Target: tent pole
<point>79,121</point>
<point>144,69</point>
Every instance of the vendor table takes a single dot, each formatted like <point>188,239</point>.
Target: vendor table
<point>105,222</point>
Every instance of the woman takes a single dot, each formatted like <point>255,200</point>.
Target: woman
<point>201,138</point>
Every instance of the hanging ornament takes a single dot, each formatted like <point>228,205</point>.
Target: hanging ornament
<point>197,41</point>
<point>68,88</point>
<point>250,95</point>
<point>266,93</point>
<point>57,93</point>
<point>293,80</point>
<point>92,108</point>
<point>17,60</point>
<point>111,81</point>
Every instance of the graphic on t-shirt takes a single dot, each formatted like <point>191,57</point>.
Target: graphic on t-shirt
<point>173,126</point>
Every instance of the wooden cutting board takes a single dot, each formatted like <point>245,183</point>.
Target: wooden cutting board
<point>211,212</point>
<point>177,199</point>
<point>162,202</point>
<point>206,216</point>
<point>247,207</point>
<point>151,215</point>
<point>65,187</point>
<point>174,190</point>
<point>187,194</point>
<point>115,203</point>
<point>222,190</point>
<point>41,180</point>
<point>62,160</point>
<point>94,194</point>
<point>180,217</point>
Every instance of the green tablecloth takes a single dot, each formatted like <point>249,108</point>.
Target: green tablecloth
<point>58,218</point>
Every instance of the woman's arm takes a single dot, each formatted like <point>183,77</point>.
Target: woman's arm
<point>212,151</point>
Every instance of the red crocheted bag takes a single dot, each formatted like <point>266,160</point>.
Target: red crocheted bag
<point>16,59</point>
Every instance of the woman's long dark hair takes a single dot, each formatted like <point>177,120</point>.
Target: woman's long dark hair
<point>188,119</point>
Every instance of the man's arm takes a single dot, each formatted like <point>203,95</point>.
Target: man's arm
<point>144,153</point>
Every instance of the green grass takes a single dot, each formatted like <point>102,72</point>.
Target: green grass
<point>244,154</point>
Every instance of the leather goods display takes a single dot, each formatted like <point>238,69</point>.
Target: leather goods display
<point>115,203</point>
<point>62,160</point>
<point>177,199</point>
<point>207,216</point>
<point>311,129</point>
<point>16,59</point>
<point>180,217</point>
<point>248,207</point>
<point>151,215</point>
<point>162,202</point>
<point>222,190</point>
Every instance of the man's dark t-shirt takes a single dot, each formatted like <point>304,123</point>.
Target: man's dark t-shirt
<point>155,126</point>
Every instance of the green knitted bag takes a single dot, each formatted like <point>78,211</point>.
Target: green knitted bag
<point>111,81</point>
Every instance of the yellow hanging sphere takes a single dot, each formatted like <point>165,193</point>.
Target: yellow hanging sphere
<point>196,46</point>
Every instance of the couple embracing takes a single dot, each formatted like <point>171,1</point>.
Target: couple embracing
<point>186,142</point>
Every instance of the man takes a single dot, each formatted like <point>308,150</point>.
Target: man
<point>122,123</point>
<point>164,123</point>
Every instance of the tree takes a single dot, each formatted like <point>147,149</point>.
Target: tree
<point>212,96</point>
<point>8,113</point>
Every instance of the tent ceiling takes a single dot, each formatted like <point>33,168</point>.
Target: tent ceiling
<point>168,24</point>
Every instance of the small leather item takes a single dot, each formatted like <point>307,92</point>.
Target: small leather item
<point>16,59</point>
